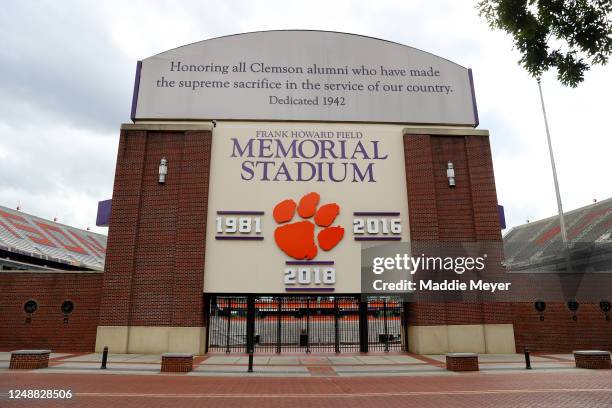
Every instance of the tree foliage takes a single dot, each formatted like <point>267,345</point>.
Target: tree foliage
<point>569,35</point>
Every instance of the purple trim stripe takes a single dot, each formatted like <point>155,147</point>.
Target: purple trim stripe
<point>136,89</point>
<point>502,216</point>
<point>309,263</point>
<point>474,106</point>
<point>104,211</point>
<point>310,289</point>
<point>378,238</point>
<point>240,212</point>
<point>237,238</point>
<point>390,214</point>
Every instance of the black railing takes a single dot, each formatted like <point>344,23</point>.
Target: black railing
<point>227,324</point>
<point>385,324</point>
<point>303,324</point>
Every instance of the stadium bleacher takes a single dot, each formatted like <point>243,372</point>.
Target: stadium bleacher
<point>589,230</point>
<point>30,242</point>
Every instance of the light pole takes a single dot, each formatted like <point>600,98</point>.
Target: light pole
<point>554,171</point>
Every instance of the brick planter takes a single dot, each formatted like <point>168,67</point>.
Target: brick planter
<point>29,359</point>
<point>593,359</point>
<point>462,362</point>
<point>177,362</point>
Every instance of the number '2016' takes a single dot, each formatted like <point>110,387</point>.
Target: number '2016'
<point>373,226</point>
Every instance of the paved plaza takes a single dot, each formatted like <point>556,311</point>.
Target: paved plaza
<point>356,380</point>
<point>297,365</point>
<point>556,388</point>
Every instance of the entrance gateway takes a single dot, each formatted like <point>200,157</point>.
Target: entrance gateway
<point>254,235</point>
<point>304,324</point>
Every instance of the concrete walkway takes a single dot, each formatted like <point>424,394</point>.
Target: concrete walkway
<point>530,388</point>
<point>321,365</point>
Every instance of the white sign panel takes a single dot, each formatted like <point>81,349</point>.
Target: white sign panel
<point>303,75</point>
<point>290,204</point>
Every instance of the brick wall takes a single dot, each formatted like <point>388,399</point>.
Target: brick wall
<point>47,329</point>
<point>154,269</point>
<point>466,213</point>
<point>469,213</point>
<point>558,331</point>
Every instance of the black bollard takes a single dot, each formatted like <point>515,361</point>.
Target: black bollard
<point>250,361</point>
<point>527,359</point>
<point>104,358</point>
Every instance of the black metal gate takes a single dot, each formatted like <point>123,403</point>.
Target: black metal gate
<point>385,324</point>
<point>227,324</point>
<point>295,324</point>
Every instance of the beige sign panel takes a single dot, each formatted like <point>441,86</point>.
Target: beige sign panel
<point>303,75</point>
<point>290,204</point>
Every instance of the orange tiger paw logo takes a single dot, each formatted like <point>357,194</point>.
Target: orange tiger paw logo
<point>297,239</point>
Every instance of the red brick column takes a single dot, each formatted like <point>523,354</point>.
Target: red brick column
<point>465,213</point>
<point>486,219</point>
<point>124,220</point>
<point>423,214</point>
<point>191,230</point>
<point>154,270</point>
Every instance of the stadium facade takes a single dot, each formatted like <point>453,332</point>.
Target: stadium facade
<point>245,188</point>
<point>50,280</point>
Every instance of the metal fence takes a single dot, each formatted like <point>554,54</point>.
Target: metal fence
<point>297,324</point>
<point>227,324</point>
<point>385,324</point>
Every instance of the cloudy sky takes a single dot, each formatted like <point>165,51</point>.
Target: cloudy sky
<point>67,71</point>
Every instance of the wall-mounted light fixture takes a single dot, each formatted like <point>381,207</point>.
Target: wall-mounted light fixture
<point>163,170</point>
<point>573,306</point>
<point>67,308</point>
<point>30,307</point>
<point>540,307</point>
<point>450,173</point>
<point>605,307</point>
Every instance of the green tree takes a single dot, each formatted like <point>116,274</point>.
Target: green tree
<point>569,35</point>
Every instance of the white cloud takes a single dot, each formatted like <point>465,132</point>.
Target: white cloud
<point>67,71</point>
<point>57,171</point>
